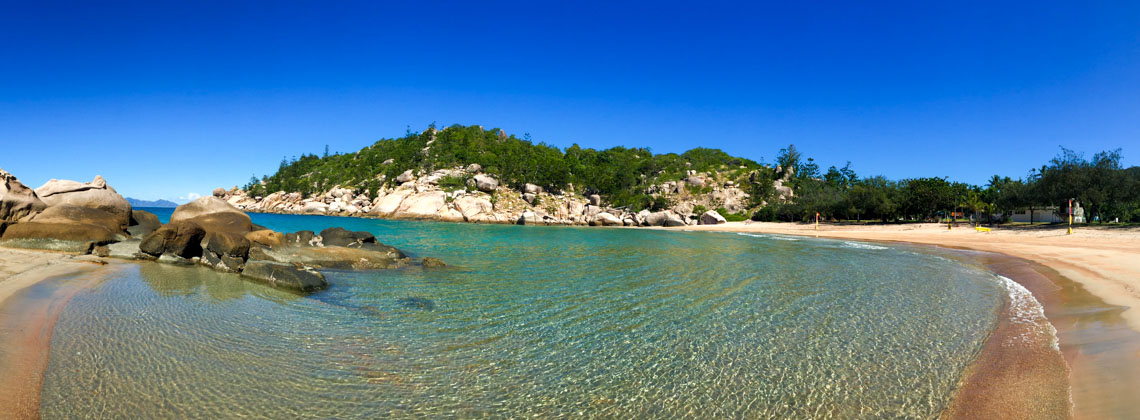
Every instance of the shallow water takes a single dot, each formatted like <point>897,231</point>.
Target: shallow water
<point>539,321</point>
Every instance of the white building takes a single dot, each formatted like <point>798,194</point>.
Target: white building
<point>1051,214</point>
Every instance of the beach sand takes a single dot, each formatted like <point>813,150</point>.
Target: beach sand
<point>1089,285</point>
<point>26,322</point>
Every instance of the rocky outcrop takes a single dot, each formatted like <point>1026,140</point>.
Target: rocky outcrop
<point>211,231</point>
<point>486,200</point>
<point>95,194</point>
<point>17,201</point>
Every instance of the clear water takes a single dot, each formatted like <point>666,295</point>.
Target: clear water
<point>535,321</point>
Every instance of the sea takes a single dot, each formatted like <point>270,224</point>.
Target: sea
<point>536,321</point>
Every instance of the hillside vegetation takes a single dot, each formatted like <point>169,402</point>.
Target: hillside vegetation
<point>630,177</point>
<point>620,174</point>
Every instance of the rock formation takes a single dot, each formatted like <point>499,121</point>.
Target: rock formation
<point>93,218</point>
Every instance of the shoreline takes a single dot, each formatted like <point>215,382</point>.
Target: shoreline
<point>27,319</point>
<point>1087,284</point>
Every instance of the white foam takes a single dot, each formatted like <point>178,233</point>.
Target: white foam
<point>752,235</point>
<point>1029,312</point>
<point>862,245</point>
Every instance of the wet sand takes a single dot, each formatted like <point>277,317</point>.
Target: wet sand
<point>1089,286</point>
<point>30,303</point>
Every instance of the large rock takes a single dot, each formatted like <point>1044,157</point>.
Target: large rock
<point>143,223</point>
<point>405,177</point>
<point>711,217</point>
<point>529,218</point>
<point>268,237</point>
<point>213,214</point>
<point>656,218</point>
<point>595,200</point>
<point>337,236</point>
<point>607,219</point>
<point>673,220</point>
<point>65,237</point>
<point>181,238</point>
<point>71,214</point>
<point>202,207</point>
<point>532,189</point>
<point>391,202</point>
<point>68,228</point>
<point>283,275</point>
<point>17,201</point>
<point>486,183</point>
<point>228,244</point>
<point>219,192</point>
<point>474,208</point>
<point>95,194</point>
<point>423,205</point>
<point>367,257</point>
<point>315,207</point>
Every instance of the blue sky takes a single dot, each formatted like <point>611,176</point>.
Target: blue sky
<point>169,99</point>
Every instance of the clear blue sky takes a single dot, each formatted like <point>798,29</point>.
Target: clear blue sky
<point>168,99</point>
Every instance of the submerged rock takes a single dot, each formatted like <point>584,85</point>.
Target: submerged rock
<point>430,262</point>
<point>337,236</point>
<point>416,303</point>
<point>289,276</point>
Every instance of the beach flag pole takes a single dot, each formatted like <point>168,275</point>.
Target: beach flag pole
<point>1070,216</point>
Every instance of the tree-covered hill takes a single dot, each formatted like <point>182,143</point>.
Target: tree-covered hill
<point>620,174</point>
<point>630,177</point>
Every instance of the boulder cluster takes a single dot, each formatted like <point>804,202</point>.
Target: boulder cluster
<point>481,198</point>
<point>92,218</point>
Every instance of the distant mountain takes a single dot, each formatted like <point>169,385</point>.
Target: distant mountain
<point>157,203</point>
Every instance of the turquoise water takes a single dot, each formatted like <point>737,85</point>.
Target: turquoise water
<point>535,321</point>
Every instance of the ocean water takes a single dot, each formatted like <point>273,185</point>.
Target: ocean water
<point>535,321</point>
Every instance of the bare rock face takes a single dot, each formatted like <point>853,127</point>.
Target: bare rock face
<point>405,177</point>
<point>391,202</point>
<point>486,183</point>
<point>711,217</point>
<point>95,194</point>
<point>423,205</point>
<point>17,201</point>
<point>475,209</point>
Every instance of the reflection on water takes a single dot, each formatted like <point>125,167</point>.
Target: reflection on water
<point>538,322</point>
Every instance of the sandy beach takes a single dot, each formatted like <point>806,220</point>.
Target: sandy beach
<point>26,324</point>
